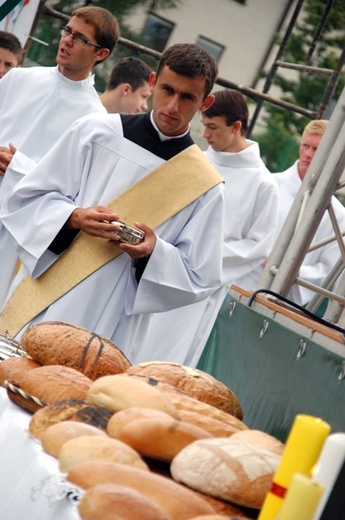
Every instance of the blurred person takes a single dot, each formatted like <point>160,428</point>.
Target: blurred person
<point>73,199</point>
<point>38,104</point>
<point>318,263</point>
<point>128,89</point>
<point>250,220</point>
<point>11,52</point>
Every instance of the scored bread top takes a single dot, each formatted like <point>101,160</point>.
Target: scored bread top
<point>61,343</point>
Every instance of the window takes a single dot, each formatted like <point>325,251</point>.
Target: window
<point>156,32</point>
<point>213,48</point>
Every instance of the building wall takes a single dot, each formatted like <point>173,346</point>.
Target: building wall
<point>246,31</point>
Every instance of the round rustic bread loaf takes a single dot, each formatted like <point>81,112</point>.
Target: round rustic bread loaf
<point>119,392</point>
<point>179,502</point>
<point>86,448</point>
<point>56,382</point>
<point>194,382</point>
<point>115,502</point>
<point>61,343</point>
<point>57,434</point>
<point>15,369</point>
<point>69,409</point>
<point>230,470</point>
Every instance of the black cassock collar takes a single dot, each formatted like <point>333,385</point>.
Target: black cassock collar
<point>139,130</point>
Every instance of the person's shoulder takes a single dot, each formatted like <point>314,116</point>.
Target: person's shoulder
<point>100,122</point>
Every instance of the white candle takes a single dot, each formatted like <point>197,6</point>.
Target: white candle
<point>328,466</point>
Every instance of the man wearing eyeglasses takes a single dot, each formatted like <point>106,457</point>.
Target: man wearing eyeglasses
<point>38,104</point>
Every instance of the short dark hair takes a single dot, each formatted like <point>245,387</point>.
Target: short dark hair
<point>129,70</point>
<point>190,60</point>
<point>11,43</point>
<point>232,105</point>
<point>107,30</point>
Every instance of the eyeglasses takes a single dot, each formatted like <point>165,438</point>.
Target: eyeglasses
<point>77,38</point>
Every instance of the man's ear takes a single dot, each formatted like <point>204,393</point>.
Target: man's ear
<point>125,89</point>
<point>237,126</point>
<point>207,103</point>
<point>102,54</point>
<point>152,80</point>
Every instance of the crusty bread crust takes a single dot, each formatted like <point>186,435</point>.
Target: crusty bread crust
<point>61,343</point>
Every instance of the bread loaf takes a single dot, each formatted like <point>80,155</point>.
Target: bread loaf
<point>260,439</point>
<point>213,426</point>
<point>120,419</point>
<point>119,392</point>
<point>194,382</point>
<point>159,439</point>
<point>179,502</point>
<point>230,470</point>
<point>61,343</point>
<point>57,434</point>
<point>86,448</point>
<point>115,502</point>
<point>55,383</point>
<point>182,401</point>
<point>70,409</point>
<point>15,369</point>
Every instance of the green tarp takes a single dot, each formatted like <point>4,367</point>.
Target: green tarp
<point>271,384</point>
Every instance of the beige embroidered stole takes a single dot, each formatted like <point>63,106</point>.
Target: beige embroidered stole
<point>154,199</point>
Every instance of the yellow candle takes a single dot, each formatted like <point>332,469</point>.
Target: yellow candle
<point>301,499</point>
<point>301,452</point>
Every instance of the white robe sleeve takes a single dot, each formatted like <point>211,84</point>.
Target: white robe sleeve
<point>19,166</point>
<point>41,203</point>
<point>188,270</point>
<point>243,255</point>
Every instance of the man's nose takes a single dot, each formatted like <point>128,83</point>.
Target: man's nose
<point>174,103</point>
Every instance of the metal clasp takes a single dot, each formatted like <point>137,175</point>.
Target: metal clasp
<point>341,375</point>
<point>264,328</point>
<point>302,349</point>
<point>232,309</point>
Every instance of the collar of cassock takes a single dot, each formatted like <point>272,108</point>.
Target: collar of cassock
<point>163,137</point>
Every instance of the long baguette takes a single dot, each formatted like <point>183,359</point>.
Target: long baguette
<point>178,501</point>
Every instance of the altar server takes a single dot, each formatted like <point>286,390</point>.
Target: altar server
<point>250,220</point>
<point>318,263</point>
<point>92,165</point>
<point>37,104</point>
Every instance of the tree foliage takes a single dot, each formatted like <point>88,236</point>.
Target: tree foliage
<point>279,142</point>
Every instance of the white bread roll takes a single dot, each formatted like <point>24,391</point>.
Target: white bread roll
<point>159,439</point>
<point>61,343</point>
<point>179,502</point>
<point>230,470</point>
<point>194,382</point>
<point>70,409</point>
<point>86,448</point>
<point>120,419</point>
<point>55,382</point>
<point>119,392</point>
<point>113,502</point>
<point>260,439</point>
<point>56,435</point>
